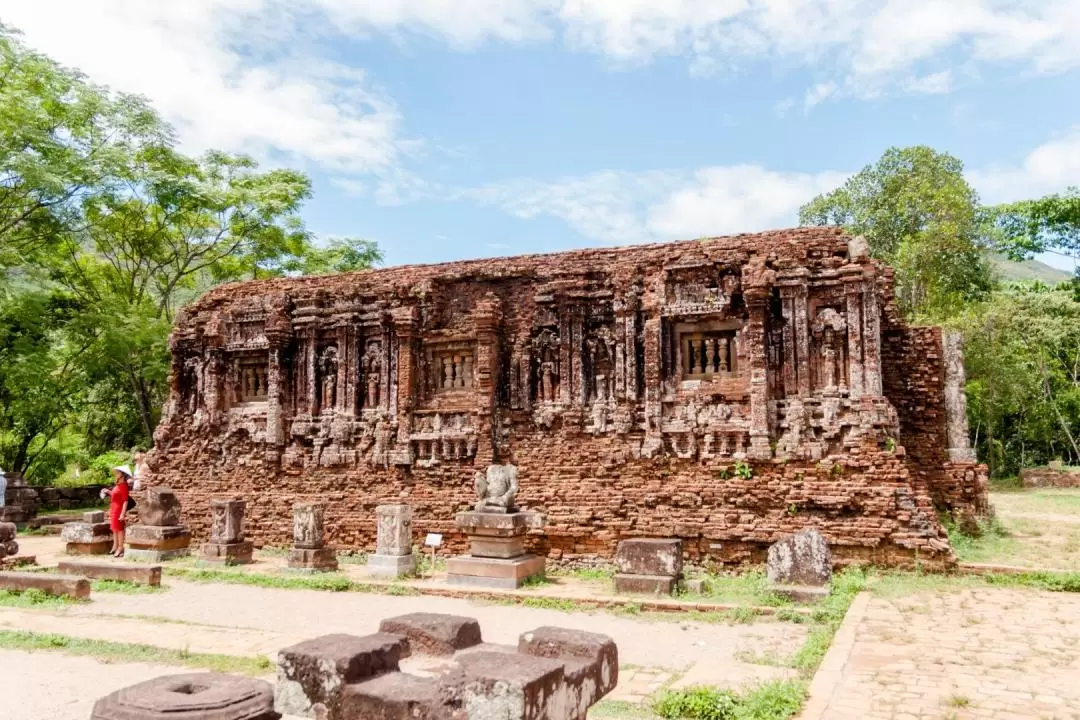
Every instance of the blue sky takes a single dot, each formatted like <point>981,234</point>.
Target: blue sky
<point>448,129</point>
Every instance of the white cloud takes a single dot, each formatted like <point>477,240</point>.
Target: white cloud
<point>819,94</point>
<point>1049,168</point>
<point>627,207</point>
<point>229,74</point>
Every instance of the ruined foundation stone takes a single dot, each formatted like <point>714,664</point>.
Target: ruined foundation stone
<point>87,538</point>
<point>193,696</point>
<point>652,566</point>
<point>309,550</point>
<point>159,535</point>
<point>800,566</point>
<point>646,391</point>
<point>227,545</point>
<point>8,545</point>
<point>393,556</point>
<point>20,501</point>
<point>552,674</point>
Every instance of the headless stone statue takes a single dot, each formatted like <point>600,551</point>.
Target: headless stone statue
<point>496,491</point>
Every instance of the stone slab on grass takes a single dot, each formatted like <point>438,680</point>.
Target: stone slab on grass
<point>141,574</point>
<point>644,584</point>
<point>59,585</point>
<point>650,556</point>
<point>493,572</point>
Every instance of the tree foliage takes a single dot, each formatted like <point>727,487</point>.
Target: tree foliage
<point>105,230</point>
<point>919,214</point>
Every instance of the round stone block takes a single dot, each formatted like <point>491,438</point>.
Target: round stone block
<point>194,696</point>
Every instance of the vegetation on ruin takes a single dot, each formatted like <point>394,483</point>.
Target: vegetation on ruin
<point>132,653</point>
<point>776,700</point>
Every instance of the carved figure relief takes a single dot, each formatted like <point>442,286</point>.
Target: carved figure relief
<point>829,331</point>
<point>600,352</point>
<point>371,367</point>
<point>546,360</point>
<point>327,373</point>
<point>193,383</point>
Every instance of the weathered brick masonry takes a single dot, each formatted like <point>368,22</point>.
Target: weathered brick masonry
<point>724,391</point>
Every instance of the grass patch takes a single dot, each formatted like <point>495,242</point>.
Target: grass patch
<point>334,582</point>
<point>536,581</point>
<point>620,710</point>
<point>124,586</point>
<point>778,700</point>
<point>992,541</point>
<point>131,653</point>
<point>352,557</point>
<point>745,588</point>
<point>587,574</point>
<point>34,598</point>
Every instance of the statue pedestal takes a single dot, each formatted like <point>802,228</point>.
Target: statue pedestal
<point>497,557</point>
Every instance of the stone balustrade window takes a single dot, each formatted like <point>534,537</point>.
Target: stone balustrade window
<point>450,369</point>
<point>254,385</point>
<point>706,354</point>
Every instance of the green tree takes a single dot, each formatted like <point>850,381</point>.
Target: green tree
<point>61,140</point>
<point>1022,353</point>
<point>919,214</point>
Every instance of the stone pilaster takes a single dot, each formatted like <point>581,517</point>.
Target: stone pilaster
<point>757,285</point>
<point>871,338</point>
<point>956,419</point>
<point>855,337</point>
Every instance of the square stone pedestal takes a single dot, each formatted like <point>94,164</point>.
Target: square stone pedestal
<point>497,557</point>
<point>644,584</point>
<point>313,559</point>
<point>237,553</point>
<point>151,543</point>
<point>391,566</point>
<point>506,574</point>
<point>84,538</point>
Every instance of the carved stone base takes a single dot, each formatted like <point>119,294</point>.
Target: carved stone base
<point>155,556</point>
<point>238,553</point>
<point>496,547</point>
<point>154,537</point>
<point>391,566</point>
<point>644,584</point>
<point>493,572</point>
<point>315,559</point>
<point>98,547</point>
<point>800,593</point>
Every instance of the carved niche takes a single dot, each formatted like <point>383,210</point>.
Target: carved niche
<point>192,383</point>
<point>371,375</point>
<point>829,333</point>
<point>449,367</point>
<point>440,437</point>
<point>326,378</point>
<point>248,379</point>
<point>599,363</point>
<point>545,363</point>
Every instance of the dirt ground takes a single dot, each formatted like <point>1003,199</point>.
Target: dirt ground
<point>1042,530</point>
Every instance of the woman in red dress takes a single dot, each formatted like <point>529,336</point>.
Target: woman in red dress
<point>118,503</point>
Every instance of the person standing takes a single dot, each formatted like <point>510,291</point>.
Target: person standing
<point>118,507</point>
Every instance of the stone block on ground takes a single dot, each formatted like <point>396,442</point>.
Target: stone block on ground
<point>316,671</point>
<point>142,574</point>
<point>650,556</point>
<point>508,685</point>
<point>434,633</point>
<point>59,585</point>
<point>391,566</point>
<point>159,506</point>
<point>698,586</point>
<point>8,563</point>
<point>238,553</point>
<point>590,663</point>
<point>159,537</point>
<point>394,696</point>
<point>227,521</point>
<point>7,531</point>
<point>308,526</point>
<point>800,559</point>
<point>318,559</point>
<point>801,593</point>
<point>194,696</point>
<point>83,538</point>
<point>507,574</point>
<point>645,584</point>
<point>93,517</point>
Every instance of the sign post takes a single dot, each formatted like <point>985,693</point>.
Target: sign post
<point>433,541</point>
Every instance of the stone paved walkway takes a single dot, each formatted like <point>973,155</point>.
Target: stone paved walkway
<point>999,654</point>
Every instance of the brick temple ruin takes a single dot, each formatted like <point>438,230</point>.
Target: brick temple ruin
<point>724,391</point>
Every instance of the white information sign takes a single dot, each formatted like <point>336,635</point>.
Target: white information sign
<point>433,540</point>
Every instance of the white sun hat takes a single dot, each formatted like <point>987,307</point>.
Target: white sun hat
<point>124,469</point>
